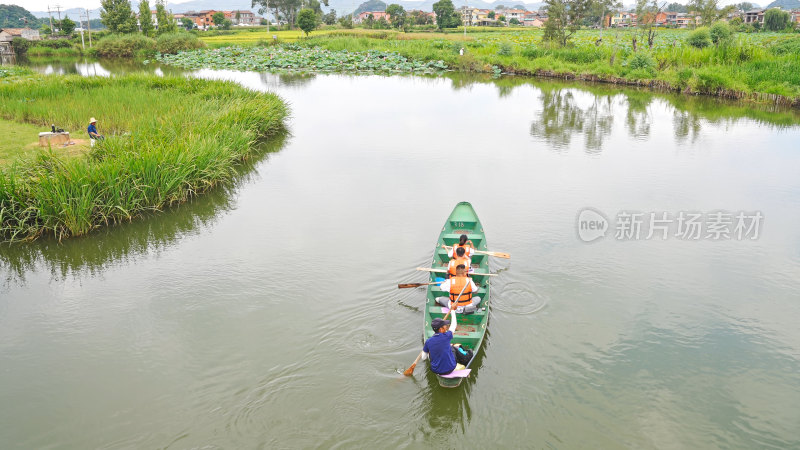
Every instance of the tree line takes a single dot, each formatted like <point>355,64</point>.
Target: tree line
<point>118,17</point>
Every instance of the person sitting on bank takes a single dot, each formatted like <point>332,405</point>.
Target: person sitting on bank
<point>92,130</point>
<point>439,349</point>
<point>462,243</point>
<point>460,259</point>
<point>462,290</point>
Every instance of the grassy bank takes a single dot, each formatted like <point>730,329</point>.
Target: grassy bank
<point>167,139</point>
<point>757,66</point>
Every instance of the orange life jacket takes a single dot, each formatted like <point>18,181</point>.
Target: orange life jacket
<point>451,267</point>
<point>456,284</point>
<point>467,249</point>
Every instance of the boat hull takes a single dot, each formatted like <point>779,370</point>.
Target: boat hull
<point>471,328</point>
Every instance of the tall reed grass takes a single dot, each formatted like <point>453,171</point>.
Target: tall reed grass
<point>167,139</point>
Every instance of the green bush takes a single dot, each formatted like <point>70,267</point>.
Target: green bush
<point>54,43</point>
<point>699,38</point>
<point>20,45</point>
<point>684,75</point>
<point>532,52</point>
<point>642,62</point>
<point>505,49</point>
<point>124,46</point>
<point>177,42</point>
<point>721,34</point>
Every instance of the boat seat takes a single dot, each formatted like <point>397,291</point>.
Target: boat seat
<point>436,311</point>
<point>443,258</point>
<point>452,238</point>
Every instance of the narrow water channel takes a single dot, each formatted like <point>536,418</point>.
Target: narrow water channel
<point>267,314</point>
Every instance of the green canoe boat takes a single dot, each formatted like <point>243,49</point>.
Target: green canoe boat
<point>471,327</point>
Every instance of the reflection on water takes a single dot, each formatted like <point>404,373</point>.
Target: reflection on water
<point>561,119</point>
<point>125,242</point>
<point>90,67</point>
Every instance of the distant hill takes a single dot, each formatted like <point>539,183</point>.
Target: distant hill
<point>370,5</point>
<point>10,16</point>
<point>785,4</point>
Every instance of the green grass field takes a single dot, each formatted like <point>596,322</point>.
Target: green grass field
<point>19,141</point>
<point>167,139</point>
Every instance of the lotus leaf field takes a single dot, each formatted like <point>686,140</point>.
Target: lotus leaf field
<point>290,57</point>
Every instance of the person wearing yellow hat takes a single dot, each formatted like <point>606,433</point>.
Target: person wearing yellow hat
<point>92,130</point>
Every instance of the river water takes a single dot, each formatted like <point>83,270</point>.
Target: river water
<point>267,314</point>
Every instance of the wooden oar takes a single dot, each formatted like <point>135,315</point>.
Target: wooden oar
<point>413,285</point>
<point>481,252</point>
<point>428,269</point>
<point>410,370</point>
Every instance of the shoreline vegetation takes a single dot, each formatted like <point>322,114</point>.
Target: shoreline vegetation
<point>167,140</point>
<point>762,67</point>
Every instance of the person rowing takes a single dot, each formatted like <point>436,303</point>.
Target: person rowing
<point>464,243</point>
<point>460,259</point>
<point>462,292</point>
<point>439,348</point>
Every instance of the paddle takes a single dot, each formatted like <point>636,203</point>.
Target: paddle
<point>495,254</point>
<point>413,285</point>
<point>410,371</point>
<point>428,269</point>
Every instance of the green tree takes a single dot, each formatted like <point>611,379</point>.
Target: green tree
<point>502,18</point>
<point>346,21</point>
<point>287,10</point>
<point>776,20</point>
<point>709,10</point>
<point>307,20</point>
<point>369,22</point>
<point>397,14</point>
<point>67,26</point>
<point>330,17</point>
<point>381,24</point>
<point>676,7</point>
<point>446,16</point>
<point>187,23</point>
<point>146,18</point>
<point>419,18</point>
<point>226,24</point>
<point>166,22</point>
<point>491,15</point>
<point>514,21</point>
<point>563,19</point>
<point>117,16</point>
<point>218,17</point>
<point>744,6</point>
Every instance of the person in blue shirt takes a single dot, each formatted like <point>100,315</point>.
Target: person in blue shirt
<point>439,349</point>
<point>92,130</point>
